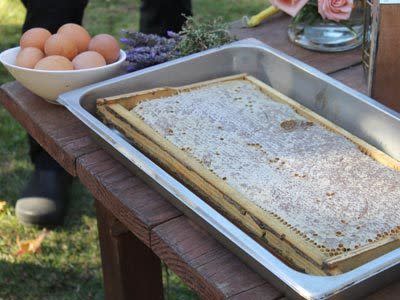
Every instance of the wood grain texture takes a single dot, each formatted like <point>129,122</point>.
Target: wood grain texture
<point>126,196</point>
<point>60,133</point>
<point>273,32</point>
<point>385,87</point>
<point>203,264</point>
<point>259,293</point>
<point>130,269</point>
<point>390,292</point>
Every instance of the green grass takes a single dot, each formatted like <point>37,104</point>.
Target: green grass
<point>68,267</point>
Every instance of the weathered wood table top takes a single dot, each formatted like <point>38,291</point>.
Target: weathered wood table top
<point>126,204</point>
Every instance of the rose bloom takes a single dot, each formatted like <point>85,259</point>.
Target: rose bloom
<point>335,10</point>
<point>291,7</point>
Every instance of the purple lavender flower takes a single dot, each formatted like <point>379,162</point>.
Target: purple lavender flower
<point>145,50</point>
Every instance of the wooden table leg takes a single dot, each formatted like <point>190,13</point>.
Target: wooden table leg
<point>130,269</point>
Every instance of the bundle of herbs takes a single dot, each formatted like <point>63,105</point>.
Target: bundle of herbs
<point>145,50</point>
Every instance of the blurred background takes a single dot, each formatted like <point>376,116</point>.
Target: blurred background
<point>69,267</point>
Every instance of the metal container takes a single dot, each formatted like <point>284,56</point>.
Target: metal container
<point>340,104</point>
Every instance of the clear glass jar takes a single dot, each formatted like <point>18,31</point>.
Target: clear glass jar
<point>329,36</point>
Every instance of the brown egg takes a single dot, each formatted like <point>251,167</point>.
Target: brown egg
<point>35,37</point>
<point>58,44</point>
<point>54,63</point>
<point>77,34</point>
<point>28,57</point>
<point>106,45</point>
<point>87,60</point>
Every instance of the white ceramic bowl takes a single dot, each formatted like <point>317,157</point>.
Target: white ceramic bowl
<point>50,84</point>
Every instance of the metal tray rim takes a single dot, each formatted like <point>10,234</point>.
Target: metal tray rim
<point>306,286</point>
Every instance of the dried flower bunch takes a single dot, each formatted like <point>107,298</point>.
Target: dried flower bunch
<point>197,36</point>
<point>145,50</point>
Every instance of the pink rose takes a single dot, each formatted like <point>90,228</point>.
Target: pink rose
<point>291,7</point>
<point>335,10</point>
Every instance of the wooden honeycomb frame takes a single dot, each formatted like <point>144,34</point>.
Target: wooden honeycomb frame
<point>271,231</point>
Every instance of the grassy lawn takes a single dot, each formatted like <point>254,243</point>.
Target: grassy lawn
<point>68,267</point>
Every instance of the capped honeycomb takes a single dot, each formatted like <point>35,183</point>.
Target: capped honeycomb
<point>311,179</point>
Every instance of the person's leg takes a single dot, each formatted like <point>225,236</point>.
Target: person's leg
<point>44,198</point>
<point>41,159</point>
<point>159,16</point>
<point>51,14</point>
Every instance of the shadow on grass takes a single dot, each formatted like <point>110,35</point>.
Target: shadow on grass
<point>81,204</point>
<point>68,265</point>
<point>40,281</point>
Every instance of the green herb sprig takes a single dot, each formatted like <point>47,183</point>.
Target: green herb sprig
<point>197,35</point>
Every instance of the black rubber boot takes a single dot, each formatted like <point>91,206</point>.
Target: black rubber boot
<point>44,201</point>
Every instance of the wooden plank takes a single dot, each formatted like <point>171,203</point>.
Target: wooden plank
<point>354,77</point>
<point>130,268</point>
<point>203,264</point>
<point>385,87</point>
<point>257,293</point>
<point>388,293</point>
<point>61,134</point>
<point>126,196</point>
<point>273,32</point>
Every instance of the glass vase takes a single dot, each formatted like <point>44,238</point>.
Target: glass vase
<point>329,36</point>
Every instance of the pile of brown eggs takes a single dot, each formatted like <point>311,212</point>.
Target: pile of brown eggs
<point>71,48</point>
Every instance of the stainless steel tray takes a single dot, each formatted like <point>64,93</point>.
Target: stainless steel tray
<point>355,112</point>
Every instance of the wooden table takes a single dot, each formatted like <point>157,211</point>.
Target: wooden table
<point>137,227</point>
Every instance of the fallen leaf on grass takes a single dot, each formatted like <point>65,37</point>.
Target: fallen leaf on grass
<point>31,246</point>
<point>2,205</point>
